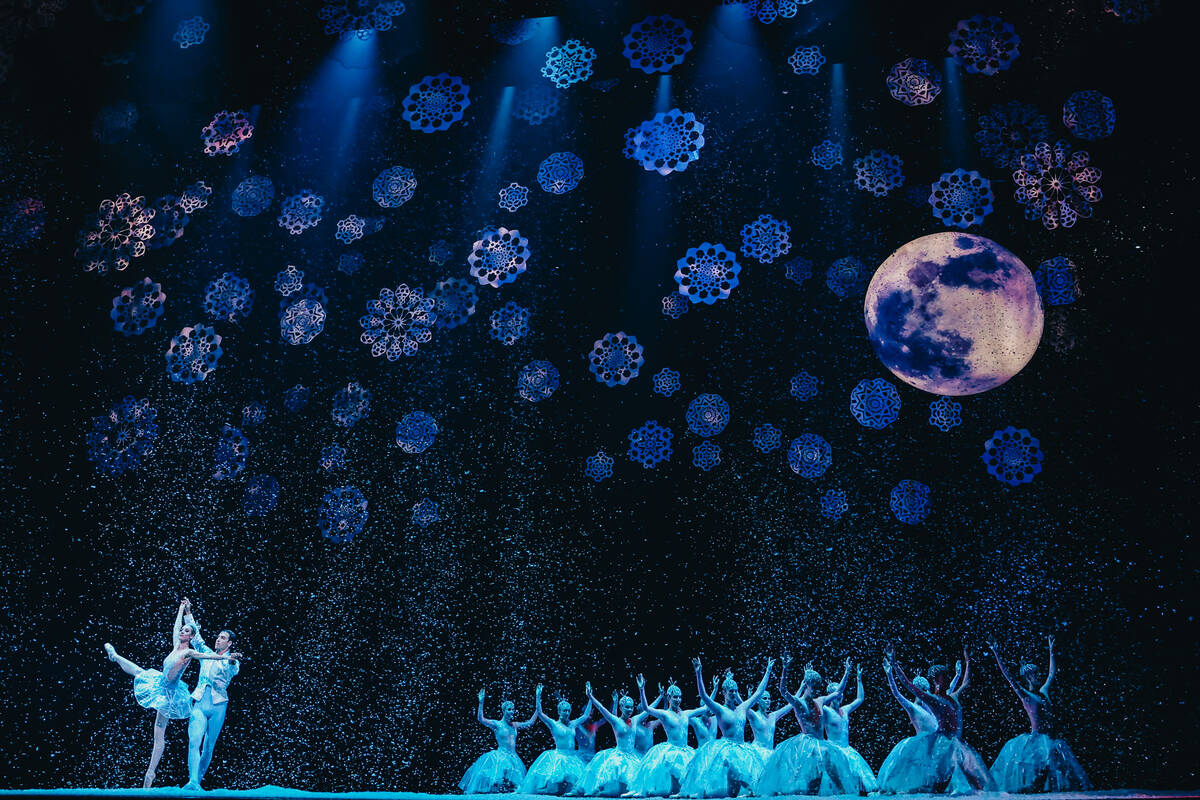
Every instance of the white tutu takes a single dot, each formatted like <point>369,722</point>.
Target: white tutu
<point>151,689</point>
<point>862,770</point>
<point>609,774</point>
<point>723,768</point>
<point>1033,762</point>
<point>661,771</point>
<point>494,771</point>
<point>934,763</point>
<point>553,772</point>
<point>805,764</point>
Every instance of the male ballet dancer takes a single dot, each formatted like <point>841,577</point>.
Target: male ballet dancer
<point>210,700</point>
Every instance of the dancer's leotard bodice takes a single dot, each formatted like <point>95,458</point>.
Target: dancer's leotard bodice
<point>626,735</point>
<point>946,710</point>
<point>732,724</point>
<point>837,726</point>
<point>811,720</point>
<point>703,725</point>
<point>564,735</point>
<point>174,665</point>
<point>506,736</point>
<point>1041,715</point>
<point>763,727</point>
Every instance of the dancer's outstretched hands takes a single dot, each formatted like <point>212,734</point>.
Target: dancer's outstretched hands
<point>538,691</point>
<point>958,665</point>
<point>889,652</point>
<point>847,663</point>
<point>641,682</point>
<point>481,695</point>
<point>696,663</point>
<point>786,658</point>
<point>616,695</point>
<point>887,665</point>
<point>234,657</point>
<point>587,689</point>
<point>187,605</point>
<point>770,664</point>
<point>1050,641</point>
<point>993,644</point>
<point>661,689</point>
<point>859,673</point>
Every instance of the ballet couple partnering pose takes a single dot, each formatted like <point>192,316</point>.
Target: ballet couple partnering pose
<point>166,693</point>
<point>819,760</point>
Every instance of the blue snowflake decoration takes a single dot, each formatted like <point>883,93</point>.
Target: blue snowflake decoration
<point>559,173</point>
<point>537,381</point>
<point>309,291</point>
<point>301,211</point>
<point>225,134</point>
<point>122,439</point>
<point>342,514</point>
<point>569,63</point>
<point>945,414</point>
<point>875,403</point>
<point>1056,281</point>
<point>766,239</point>
<point>666,382</point>
<point>416,431</point>
<point>910,501</point>
<point>361,18</point>
<point>1089,115</point>
<point>228,298</point>
<point>657,43</point>
<point>229,456</point>
<point>674,305</point>
<point>350,229</point>
<point>253,196</point>
<point>169,221</point>
<point>878,173</point>
<point>350,405</point>
<point>394,187</point>
<point>191,32</point>
<point>425,512</point>
<point>827,154</point>
<point>513,196</point>
<point>707,415</point>
<point>846,277</point>
<point>436,103</point>
<point>798,270</point>
<point>454,302</point>
<point>809,455</point>
<point>118,233</point>
<point>195,197</point>
<point>193,354</point>
<point>1057,186</point>
<point>350,263</point>
<point>440,252</point>
<point>261,496</point>
<point>398,322</point>
<point>296,398</point>
<point>616,358</point>
<point>961,198</point>
<point>767,11</point>
<point>289,280</point>
<point>302,321</point>
<point>509,323</point>
<point>253,415</point>
<point>536,104</point>
<point>333,458</point>
<point>599,467</point>
<point>669,142</point>
<point>650,445</point>
<point>1013,456</point>
<point>767,437</point>
<point>1009,131</point>
<point>707,273</point>
<point>984,45</point>
<point>804,386</point>
<point>833,504</point>
<point>914,82</point>
<point>137,309</point>
<point>806,60</point>
<point>499,257</point>
<point>706,455</point>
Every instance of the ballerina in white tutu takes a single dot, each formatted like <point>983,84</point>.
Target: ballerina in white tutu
<point>556,771</point>
<point>610,773</point>
<point>662,768</point>
<point>728,766</point>
<point>704,724</point>
<point>499,770</point>
<point>585,734</point>
<point>1035,761</point>
<point>763,721</point>
<point>806,763</point>
<point>643,734</point>
<point>903,770</point>
<point>164,691</point>
<point>837,727</point>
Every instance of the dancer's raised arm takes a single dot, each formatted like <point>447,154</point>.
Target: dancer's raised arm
<point>190,619</point>
<point>752,700</point>
<point>178,624</point>
<point>858,697</point>
<point>587,713</point>
<point>840,691</point>
<point>962,675</point>
<point>533,718</point>
<point>1050,673</point>
<point>1003,669</point>
<point>651,709</point>
<point>537,706</point>
<point>612,719</point>
<point>479,712</point>
<point>705,697</point>
<point>890,655</point>
<point>905,703</point>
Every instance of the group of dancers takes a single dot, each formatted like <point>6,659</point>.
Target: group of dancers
<point>168,696</point>
<point>819,760</point>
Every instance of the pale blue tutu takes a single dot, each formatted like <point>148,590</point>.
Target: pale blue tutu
<point>861,769</point>
<point>723,768</point>
<point>661,771</point>
<point>934,763</point>
<point>1033,762</point>
<point>609,774</point>
<point>494,771</point>
<point>553,772</point>
<point>805,764</point>
<point>151,689</point>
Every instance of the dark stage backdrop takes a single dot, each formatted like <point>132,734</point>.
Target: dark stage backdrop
<point>364,657</point>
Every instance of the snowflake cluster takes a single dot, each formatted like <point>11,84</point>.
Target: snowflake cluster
<point>499,257</point>
<point>1012,456</point>
<point>707,273</point>
<point>509,323</point>
<point>123,438</point>
<point>398,322</point>
<point>137,308</point>
<point>537,381</point>
<point>650,445</point>
<point>657,43</point>
<point>616,358</point>
<point>436,103</point>
<point>225,134</point>
<point>193,354</point>
<point>569,63</point>
<point>809,455</point>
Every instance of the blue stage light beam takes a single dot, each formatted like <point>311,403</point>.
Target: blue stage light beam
<point>954,110</point>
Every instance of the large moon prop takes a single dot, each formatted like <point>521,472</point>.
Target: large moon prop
<point>953,314</point>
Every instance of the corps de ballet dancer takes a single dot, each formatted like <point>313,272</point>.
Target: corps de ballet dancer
<point>1035,761</point>
<point>728,766</point>
<point>643,734</point>
<point>610,773</point>
<point>704,724</point>
<point>585,734</point>
<point>837,726</point>
<point>164,691</point>
<point>902,771</point>
<point>952,764</point>
<point>661,771</point>
<point>556,771</point>
<point>806,763</point>
<point>211,698</point>
<point>499,770</point>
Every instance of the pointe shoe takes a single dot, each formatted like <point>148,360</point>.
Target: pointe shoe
<point>149,780</point>
<point>111,651</point>
<point>192,786</point>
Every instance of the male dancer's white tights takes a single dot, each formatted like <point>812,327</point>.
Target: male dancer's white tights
<point>203,730</point>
